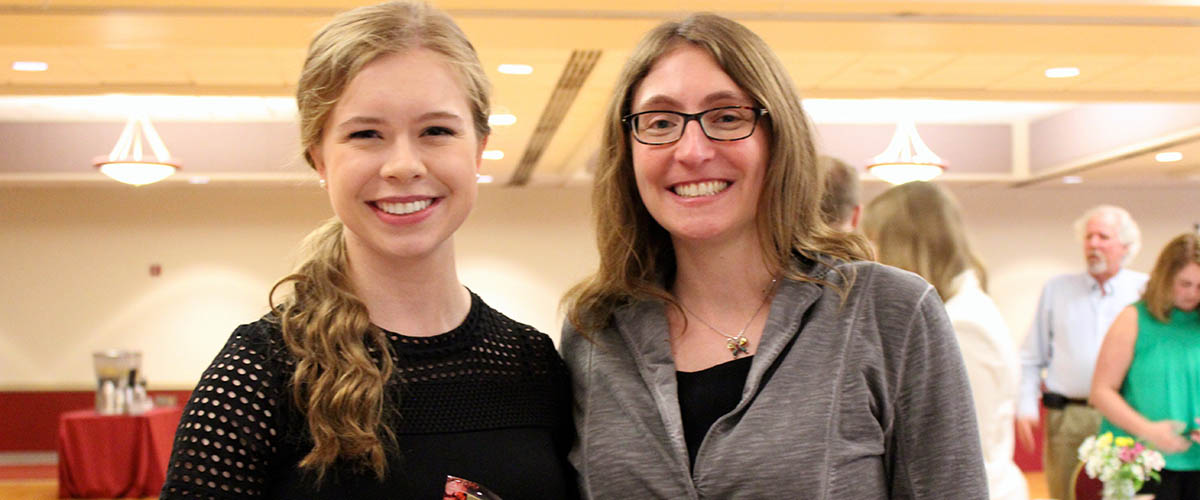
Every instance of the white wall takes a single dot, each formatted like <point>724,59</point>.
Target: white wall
<point>74,269</point>
<point>74,262</point>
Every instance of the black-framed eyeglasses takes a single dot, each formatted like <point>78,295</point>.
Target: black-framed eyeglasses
<point>726,123</point>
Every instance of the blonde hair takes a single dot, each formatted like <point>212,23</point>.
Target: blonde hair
<point>1159,295</point>
<point>355,38</point>
<point>343,361</point>
<point>918,227</point>
<point>636,255</point>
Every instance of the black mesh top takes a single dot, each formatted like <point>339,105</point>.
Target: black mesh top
<point>488,401</point>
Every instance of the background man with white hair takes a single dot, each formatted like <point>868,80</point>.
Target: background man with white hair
<point>1073,315</point>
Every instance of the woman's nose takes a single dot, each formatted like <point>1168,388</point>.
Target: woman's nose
<point>402,161</point>
<point>693,146</point>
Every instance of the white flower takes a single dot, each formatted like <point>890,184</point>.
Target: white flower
<point>1138,473</point>
<point>1153,460</point>
<point>1085,449</point>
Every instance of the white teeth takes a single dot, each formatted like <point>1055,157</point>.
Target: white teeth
<point>404,208</point>
<point>698,189</point>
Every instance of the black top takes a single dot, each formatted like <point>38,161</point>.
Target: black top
<point>488,401</point>
<point>706,395</point>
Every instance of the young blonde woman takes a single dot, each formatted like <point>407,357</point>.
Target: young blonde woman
<point>731,345</point>
<point>1147,379</point>
<point>918,227</point>
<point>380,374</point>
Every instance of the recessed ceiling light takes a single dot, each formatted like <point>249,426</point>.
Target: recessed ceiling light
<point>1064,72</point>
<point>493,154</point>
<point>483,179</point>
<point>1072,179</point>
<point>515,69</point>
<point>1168,156</point>
<point>502,119</point>
<point>30,66</point>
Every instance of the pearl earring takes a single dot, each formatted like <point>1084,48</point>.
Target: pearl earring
<point>322,183</point>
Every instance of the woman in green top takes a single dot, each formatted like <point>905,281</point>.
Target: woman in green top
<point>1147,379</point>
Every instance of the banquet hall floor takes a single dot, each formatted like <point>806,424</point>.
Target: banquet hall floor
<point>39,482</point>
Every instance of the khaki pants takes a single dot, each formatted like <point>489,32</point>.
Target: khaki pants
<point>1065,431</point>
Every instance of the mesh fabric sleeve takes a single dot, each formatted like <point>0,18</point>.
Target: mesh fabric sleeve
<point>228,434</point>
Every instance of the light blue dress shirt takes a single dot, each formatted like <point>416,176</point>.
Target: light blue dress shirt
<point>1072,317</point>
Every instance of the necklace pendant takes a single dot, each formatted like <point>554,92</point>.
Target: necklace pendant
<point>738,345</point>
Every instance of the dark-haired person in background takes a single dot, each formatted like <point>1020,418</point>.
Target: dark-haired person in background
<point>840,205</point>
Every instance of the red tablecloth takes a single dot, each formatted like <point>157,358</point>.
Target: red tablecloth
<point>114,456</point>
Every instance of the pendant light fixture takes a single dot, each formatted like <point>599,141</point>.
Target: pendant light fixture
<point>906,158</point>
<point>139,157</point>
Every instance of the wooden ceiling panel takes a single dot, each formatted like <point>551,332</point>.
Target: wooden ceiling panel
<point>575,133</point>
<point>547,32</point>
<point>63,69</point>
<point>957,49</point>
<point>975,71</point>
<point>547,64</point>
<point>1034,77</point>
<point>168,5</point>
<point>885,70</point>
<point>292,61</point>
<point>248,67</point>
<point>523,96</point>
<point>579,134</point>
<point>1111,8</point>
<point>132,66</point>
<point>141,29</point>
<point>607,70</point>
<point>809,69</point>
<point>1190,83</point>
<point>1145,75</point>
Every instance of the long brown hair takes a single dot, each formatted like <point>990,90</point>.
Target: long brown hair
<point>1181,251</point>
<point>918,227</point>
<point>343,361</point>
<point>636,255</point>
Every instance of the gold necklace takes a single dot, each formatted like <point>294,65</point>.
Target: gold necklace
<point>737,344</point>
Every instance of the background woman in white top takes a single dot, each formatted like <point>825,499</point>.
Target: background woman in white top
<point>917,227</point>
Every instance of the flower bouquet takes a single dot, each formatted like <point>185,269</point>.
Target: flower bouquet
<point>1122,464</point>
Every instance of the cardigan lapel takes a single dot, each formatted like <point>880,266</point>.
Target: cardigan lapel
<point>784,319</point>
<point>643,328</point>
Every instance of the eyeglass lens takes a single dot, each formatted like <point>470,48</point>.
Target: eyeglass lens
<point>722,124</point>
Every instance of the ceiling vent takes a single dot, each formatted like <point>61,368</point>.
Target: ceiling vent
<point>579,66</point>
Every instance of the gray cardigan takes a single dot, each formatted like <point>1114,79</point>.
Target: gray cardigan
<point>862,400</point>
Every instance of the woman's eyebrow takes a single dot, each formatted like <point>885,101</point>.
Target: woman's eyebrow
<point>658,100</point>
<point>665,100</point>
<point>360,120</point>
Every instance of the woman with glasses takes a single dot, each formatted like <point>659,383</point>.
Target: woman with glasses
<point>731,345</point>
